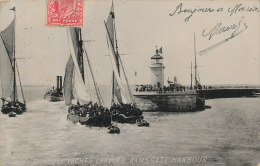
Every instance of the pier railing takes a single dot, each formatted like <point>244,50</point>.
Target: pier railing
<point>232,87</point>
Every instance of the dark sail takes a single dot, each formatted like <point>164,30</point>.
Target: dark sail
<point>75,34</point>
<point>110,25</point>
<point>6,61</point>
<point>7,36</point>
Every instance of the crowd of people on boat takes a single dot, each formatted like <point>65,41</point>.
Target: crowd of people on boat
<point>88,110</point>
<point>125,109</point>
<point>12,106</point>
<point>95,110</point>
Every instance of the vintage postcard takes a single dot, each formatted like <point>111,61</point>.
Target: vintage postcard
<point>129,82</point>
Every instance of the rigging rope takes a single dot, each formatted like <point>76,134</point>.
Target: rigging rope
<point>20,82</point>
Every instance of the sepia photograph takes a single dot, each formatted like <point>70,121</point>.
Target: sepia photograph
<point>129,83</point>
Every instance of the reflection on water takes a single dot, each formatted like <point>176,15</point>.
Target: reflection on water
<point>226,134</point>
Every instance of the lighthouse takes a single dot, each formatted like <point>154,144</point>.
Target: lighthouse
<point>157,67</point>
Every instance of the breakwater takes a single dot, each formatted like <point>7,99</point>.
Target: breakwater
<point>182,101</point>
<point>228,92</point>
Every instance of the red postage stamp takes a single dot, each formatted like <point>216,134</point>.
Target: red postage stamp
<point>65,13</point>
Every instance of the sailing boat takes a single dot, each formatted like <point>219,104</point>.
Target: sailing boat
<point>88,110</point>
<point>200,101</point>
<point>125,110</point>
<point>8,67</point>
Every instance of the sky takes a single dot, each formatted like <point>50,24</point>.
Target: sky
<point>42,51</point>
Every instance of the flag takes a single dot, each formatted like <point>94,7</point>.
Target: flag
<point>13,9</point>
<point>160,50</point>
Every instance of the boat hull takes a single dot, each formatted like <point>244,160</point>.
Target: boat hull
<point>123,119</point>
<point>52,98</point>
<point>18,109</point>
<point>102,121</point>
<point>185,101</point>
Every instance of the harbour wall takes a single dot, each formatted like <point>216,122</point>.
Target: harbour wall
<point>227,93</point>
<point>171,101</point>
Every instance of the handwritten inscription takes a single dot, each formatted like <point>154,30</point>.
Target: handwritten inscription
<point>180,10</point>
<point>238,8</point>
<point>238,28</point>
<point>219,29</point>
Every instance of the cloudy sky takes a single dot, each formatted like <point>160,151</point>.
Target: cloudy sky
<point>141,25</point>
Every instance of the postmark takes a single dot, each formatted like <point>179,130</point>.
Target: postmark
<point>65,13</point>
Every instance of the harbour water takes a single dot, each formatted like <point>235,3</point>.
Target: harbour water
<point>225,134</point>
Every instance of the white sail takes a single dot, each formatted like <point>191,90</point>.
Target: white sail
<point>6,72</point>
<point>79,86</point>
<point>89,83</point>
<point>116,72</point>
<point>68,85</point>
<point>81,92</point>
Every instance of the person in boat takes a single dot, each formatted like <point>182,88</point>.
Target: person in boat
<point>4,101</point>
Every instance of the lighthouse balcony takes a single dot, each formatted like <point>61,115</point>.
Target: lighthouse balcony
<point>157,65</point>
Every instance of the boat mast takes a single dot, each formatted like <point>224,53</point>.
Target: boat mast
<point>195,61</point>
<point>114,27</point>
<point>113,89</point>
<point>127,83</point>
<point>20,83</point>
<point>116,54</point>
<point>191,75</point>
<point>14,83</point>
<point>118,59</point>
<point>94,80</point>
<point>80,54</point>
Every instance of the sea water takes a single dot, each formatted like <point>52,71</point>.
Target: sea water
<point>225,134</point>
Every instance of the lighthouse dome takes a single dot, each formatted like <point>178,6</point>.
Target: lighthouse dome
<point>157,56</point>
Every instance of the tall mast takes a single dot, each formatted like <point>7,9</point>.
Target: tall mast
<point>195,60</point>
<point>80,56</point>
<point>113,88</point>
<point>93,78</point>
<point>14,67</point>
<point>128,87</point>
<point>15,64</point>
<point>20,83</point>
<point>113,74</point>
<point>116,49</point>
<point>118,59</point>
<point>191,75</point>
<point>116,53</point>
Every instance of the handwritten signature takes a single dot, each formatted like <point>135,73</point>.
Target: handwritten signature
<point>217,29</point>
